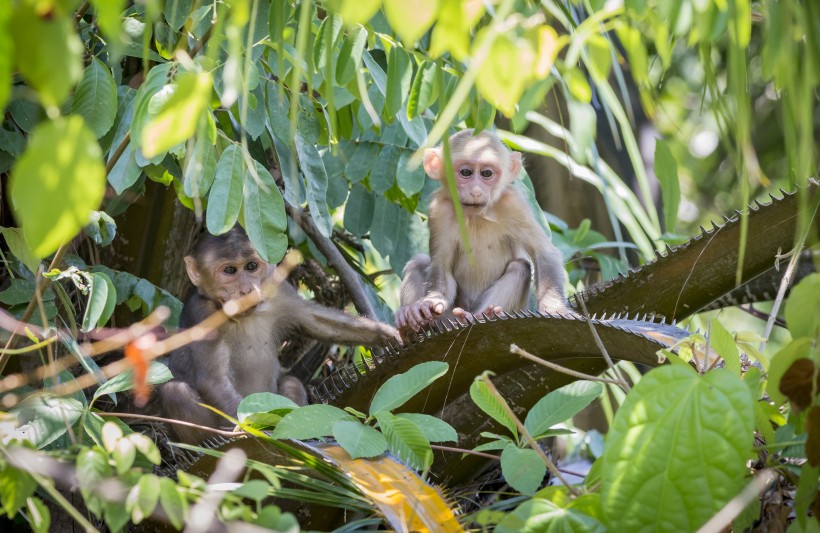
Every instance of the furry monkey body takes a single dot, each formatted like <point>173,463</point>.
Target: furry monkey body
<point>506,241</point>
<point>242,356</point>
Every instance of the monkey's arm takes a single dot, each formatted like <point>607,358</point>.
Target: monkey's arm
<point>328,324</point>
<point>549,274</point>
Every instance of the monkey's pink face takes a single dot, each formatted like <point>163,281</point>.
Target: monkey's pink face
<point>476,181</point>
<point>234,280</point>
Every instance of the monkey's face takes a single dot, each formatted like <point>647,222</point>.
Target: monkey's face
<point>476,181</point>
<point>224,279</point>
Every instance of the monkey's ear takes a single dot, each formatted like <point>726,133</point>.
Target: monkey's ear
<point>193,271</point>
<point>433,164</point>
<point>515,165</point>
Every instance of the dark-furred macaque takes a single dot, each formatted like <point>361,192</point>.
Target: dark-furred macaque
<point>242,356</point>
<point>505,238</point>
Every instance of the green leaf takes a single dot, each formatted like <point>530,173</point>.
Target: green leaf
<point>723,343</point>
<point>143,498</point>
<point>200,168</point>
<point>560,405</point>
<point>19,248</point>
<point>157,373</point>
<point>146,447</point>
<point>359,210</point>
<point>264,402</point>
<point>782,360</point>
<point>674,423</point>
<point>102,229</point>
<point>362,159</point>
<point>92,469</point>
<point>44,419</point>
<point>47,51</point>
<point>39,515</point>
<point>578,85</point>
<point>156,79</point>
<point>398,389</point>
<point>383,175</point>
<point>6,54</point>
<point>95,98</point>
<point>423,91</point>
<point>359,440</point>
<point>399,77</point>
<point>406,440</point>
<point>177,119</point>
<point>506,72</point>
<point>255,489</point>
<point>173,503</point>
<point>492,405</point>
<point>15,488</point>
<point>350,56</point>
<point>53,197</point>
<point>543,516</point>
<point>803,298</point>
<point>309,422</point>
<point>225,198</point>
<point>265,219</point>
<point>21,291</point>
<point>410,20</point>
<point>600,57</point>
<point>314,169</point>
<point>176,12</point>
<point>354,12</point>
<point>666,169</point>
<point>411,181</point>
<point>523,469</point>
<point>435,429</point>
<point>101,302</point>
<point>123,455</point>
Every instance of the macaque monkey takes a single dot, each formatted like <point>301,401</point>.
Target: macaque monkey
<point>506,241</point>
<point>242,356</point>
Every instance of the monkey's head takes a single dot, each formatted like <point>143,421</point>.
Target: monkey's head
<point>226,267</point>
<point>483,167</point>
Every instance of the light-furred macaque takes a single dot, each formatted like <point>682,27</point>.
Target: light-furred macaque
<point>505,238</point>
<point>242,356</point>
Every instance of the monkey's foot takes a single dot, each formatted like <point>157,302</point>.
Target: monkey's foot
<point>490,311</point>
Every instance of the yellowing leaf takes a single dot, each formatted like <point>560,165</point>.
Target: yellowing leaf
<point>177,119</point>
<point>354,12</point>
<point>411,19</point>
<point>506,72</point>
<point>56,183</point>
<point>546,50</point>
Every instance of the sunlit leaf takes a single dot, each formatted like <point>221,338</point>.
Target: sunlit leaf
<point>804,296</point>
<point>411,20</point>
<point>354,12</point>
<point>724,344</point>
<point>398,389</point>
<point>406,440</point>
<point>505,73</point>
<point>600,57</point>
<point>56,183</point>
<point>157,373</point>
<point>560,405</point>
<point>309,422</point>
<point>101,302</point>
<point>544,516</point>
<point>177,119</point>
<point>359,440</point>
<point>15,487</point>
<point>39,515</point>
<point>435,429</point>
<point>262,403</point>
<point>48,52</point>
<point>6,54</point>
<point>95,98</point>
<point>492,405</point>
<point>44,419</point>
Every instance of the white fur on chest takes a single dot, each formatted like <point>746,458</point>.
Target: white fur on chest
<point>491,253</point>
<point>251,349</point>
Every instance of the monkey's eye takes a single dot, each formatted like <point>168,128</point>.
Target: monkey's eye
<point>229,270</point>
<point>466,172</point>
<point>251,266</point>
<point>487,173</point>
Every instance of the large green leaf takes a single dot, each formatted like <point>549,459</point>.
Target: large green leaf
<point>398,389</point>
<point>523,469</point>
<point>410,20</point>
<point>15,487</point>
<point>19,248</point>
<point>383,175</point>
<point>265,219</point>
<point>173,503</point>
<point>47,51</point>
<point>666,169</point>
<point>157,373</point>
<point>359,210</point>
<point>177,119</point>
<point>423,92</point>
<point>354,12</point>
<point>359,440</point>
<point>309,422</point>
<point>156,79</point>
<point>56,183</point>
<point>539,515</point>
<point>406,440</point>
<point>6,54</point>
<point>803,297</point>
<point>677,450</point>
<point>435,429</point>
<point>101,302</point>
<point>92,469</point>
<point>560,405</point>
<point>44,419</point>
<point>724,344</point>
<point>492,405</point>
<point>264,409</point>
<point>95,98</point>
<point>399,77</point>
<point>506,72</point>
<point>410,180</point>
<point>176,12</point>
<point>225,198</point>
<point>314,169</point>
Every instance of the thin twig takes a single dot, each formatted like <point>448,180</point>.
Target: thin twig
<point>558,368</point>
<point>531,441</point>
<point>622,382</point>
<point>788,274</point>
<point>117,153</point>
<point>346,274</point>
<point>464,451</point>
<point>221,432</point>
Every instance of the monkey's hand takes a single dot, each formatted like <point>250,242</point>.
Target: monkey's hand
<point>490,311</point>
<point>420,313</point>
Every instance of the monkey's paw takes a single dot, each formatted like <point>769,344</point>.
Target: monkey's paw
<point>420,313</point>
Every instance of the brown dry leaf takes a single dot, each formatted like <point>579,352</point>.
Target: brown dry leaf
<point>796,383</point>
